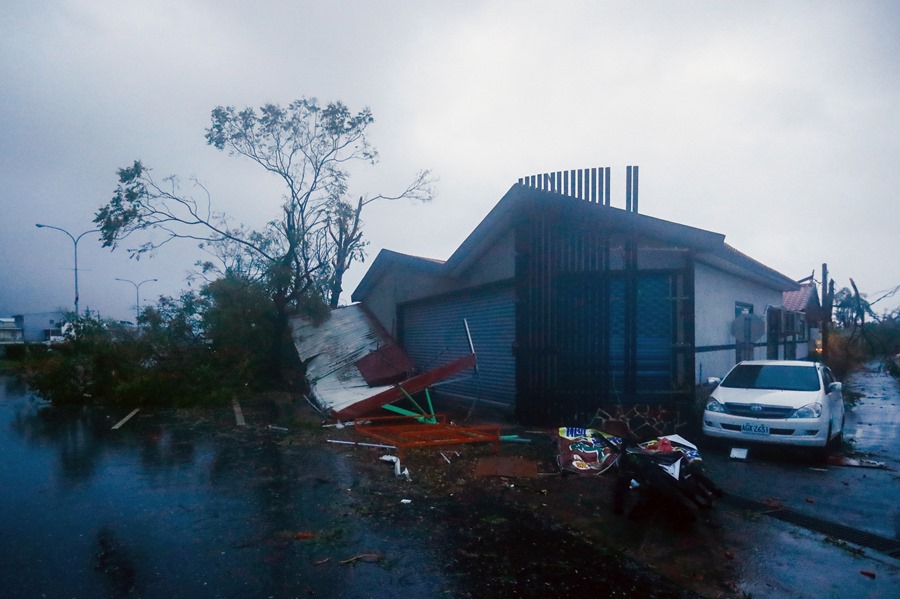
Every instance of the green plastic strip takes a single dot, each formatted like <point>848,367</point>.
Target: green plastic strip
<point>421,415</point>
<point>428,398</point>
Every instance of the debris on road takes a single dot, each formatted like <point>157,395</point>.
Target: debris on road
<point>840,460</point>
<point>408,432</point>
<point>238,413</point>
<point>366,557</point>
<point>514,439</point>
<point>360,444</point>
<point>581,450</point>
<point>398,472</point>
<point>119,424</point>
<point>867,573</point>
<point>738,453</point>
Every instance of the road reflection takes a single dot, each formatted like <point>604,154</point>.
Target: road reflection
<point>873,425</point>
<point>177,504</point>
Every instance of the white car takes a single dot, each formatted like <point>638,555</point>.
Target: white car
<point>777,401</point>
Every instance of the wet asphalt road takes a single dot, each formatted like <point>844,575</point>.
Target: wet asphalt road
<point>864,498</point>
<point>165,507</point>
<point>177,505</point>
<point>776,559</point>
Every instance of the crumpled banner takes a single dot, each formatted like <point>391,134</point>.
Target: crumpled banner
<point>581,450</point>
<point>670,443</point>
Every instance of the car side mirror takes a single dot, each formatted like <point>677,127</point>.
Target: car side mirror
<point>835,387</point>
<point>713,381</point>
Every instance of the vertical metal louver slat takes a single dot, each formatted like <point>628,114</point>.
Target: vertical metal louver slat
<point>616,328</point>
<point>433,333</point>
<point>654,334</point>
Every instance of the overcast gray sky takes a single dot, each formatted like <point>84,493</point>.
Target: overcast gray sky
<point>774,123</point>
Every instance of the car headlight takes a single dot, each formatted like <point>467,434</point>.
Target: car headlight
<point>813,410</point>
<point>714,406</point>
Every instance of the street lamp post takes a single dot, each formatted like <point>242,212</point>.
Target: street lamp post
<point>75,241</point>
<point>137,295</point>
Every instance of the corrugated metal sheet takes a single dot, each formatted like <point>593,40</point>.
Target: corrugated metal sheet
<point>433,332</point>
<point>331,350</point>
<point>334,350</point>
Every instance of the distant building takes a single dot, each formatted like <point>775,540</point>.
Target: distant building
<point>40,327</point>
<point>576,308</point>
<point>10,331</point>
<point>806,308</point>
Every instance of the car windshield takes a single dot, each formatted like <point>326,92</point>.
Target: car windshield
<point>764,376</point>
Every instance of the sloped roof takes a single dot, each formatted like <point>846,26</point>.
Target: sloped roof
<point>387,259</point>
<point>799,299</point>
<point>710,247</point>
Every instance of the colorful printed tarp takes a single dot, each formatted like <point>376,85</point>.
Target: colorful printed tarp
<point>582,450</point>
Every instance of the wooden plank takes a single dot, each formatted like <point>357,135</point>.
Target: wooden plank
<point>119,424</point>
<point>238,413</point>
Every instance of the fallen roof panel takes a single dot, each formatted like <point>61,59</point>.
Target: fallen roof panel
<point>410,386</point>
<point>333,351</point>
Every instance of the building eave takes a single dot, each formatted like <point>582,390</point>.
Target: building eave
<point>708,246</point>
<point>387,260</point>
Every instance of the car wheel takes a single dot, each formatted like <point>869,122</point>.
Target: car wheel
<point>820,454</point>
<point>838,438</point>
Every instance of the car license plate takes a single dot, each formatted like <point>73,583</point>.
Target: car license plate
<point>755,428</point>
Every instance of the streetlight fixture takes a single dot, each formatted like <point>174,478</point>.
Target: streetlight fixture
<point>75,241</point>
<point>137,295</point>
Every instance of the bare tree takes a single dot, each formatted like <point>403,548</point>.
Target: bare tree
<point>307,248</point>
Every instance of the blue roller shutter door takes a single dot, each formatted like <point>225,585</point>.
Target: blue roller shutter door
<point>433,333</point>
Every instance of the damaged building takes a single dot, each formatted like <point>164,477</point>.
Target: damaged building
<point>576,308</point>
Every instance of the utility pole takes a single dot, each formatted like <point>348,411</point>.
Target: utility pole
<point>75,241</point>
<point>137,295</point>
<point>827,308</point>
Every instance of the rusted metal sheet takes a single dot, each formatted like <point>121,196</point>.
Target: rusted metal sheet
<point>408,433</point>
<point>409,386</point>
<point>330,351</point>
<point>333,351</point>
<point>385,366</point>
